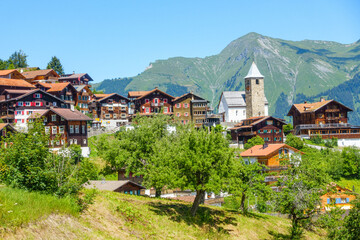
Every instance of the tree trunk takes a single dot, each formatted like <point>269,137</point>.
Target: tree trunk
<point>200,194</point>
<point>157,192</point>
<point>242,205</point>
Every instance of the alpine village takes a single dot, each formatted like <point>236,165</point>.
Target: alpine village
<point>147,159</point>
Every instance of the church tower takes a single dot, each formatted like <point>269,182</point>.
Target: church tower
<point>254,93</point>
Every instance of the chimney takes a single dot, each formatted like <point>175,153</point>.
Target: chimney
<point>21,70</point>
<point>72,108</point>
<point>265,145</point>
<point>73,72</point>
<point>156,87</point>
<point>305,102</point>
<point>322,99</point>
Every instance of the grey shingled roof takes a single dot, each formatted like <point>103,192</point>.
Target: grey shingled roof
<point>109,185</point>
<point>236,98</point>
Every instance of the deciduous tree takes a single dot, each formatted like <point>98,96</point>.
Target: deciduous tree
<point>18,59</point>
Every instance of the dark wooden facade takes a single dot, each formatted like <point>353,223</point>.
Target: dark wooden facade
<point>110,107</point>
<point>155,101</point>
<point>76,78</point>
<point>84,98</point>
<point>65,127</point>
<point>328,119</point>
<point>268,128</point>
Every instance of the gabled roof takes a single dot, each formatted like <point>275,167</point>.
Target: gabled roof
<point>66,113</point>
<point>32,92</point>
<point>44,72</point>
<point>10,71</point>
<point>136,94</point>
<point>186,95</point>
<point>57,87</point>
<point>17,91</point>
<point>154,90</point>
<point>76,76</point>
<point>15,83</point>
<point>109,185</point>
<point>4,125</point>
<point>254,72</point>
<point>260,151</point>
<point>254,121</point>
<point>235,98</point>
<point>106,96</point>
<point>45,85</point>
<point>312,107</point>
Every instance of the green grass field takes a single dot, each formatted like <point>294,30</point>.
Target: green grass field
<point>120,216</point>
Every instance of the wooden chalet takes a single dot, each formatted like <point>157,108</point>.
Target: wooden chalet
<point>84,97</point>
<point>125,186</point>
<point>11,74</point>
<point>154,101</point>
<point>337,196</point>
<point>327,118</point>
<point>64,91</point>
<point>18,109</point>
<point>65,127</point>
<point>270,156</point>
<point>191,108</point>
<point>111,109</point>
<point>45,75</point>
<point>267,127</point>
<point>76,78</point>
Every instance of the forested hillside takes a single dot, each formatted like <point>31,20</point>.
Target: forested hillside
<point>293,71</point>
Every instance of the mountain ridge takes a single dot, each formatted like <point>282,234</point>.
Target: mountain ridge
<point>291,69</point>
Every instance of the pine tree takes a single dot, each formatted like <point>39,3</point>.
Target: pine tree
<point>55,64</point>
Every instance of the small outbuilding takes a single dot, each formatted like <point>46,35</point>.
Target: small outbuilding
<point>127,186</point>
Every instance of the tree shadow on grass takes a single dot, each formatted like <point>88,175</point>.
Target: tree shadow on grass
<point>212,220</point>
<point>279,236</point>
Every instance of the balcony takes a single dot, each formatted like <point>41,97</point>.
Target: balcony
<point>157,104</point>
<point>271,179</point>
<point>246,133</point>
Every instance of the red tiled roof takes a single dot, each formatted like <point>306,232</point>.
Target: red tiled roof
<point>260,151</point>
<point>136,94</point>
<point>15,83</point>
<point>154,90</point>
<point>57,87</point>
<point>9,71</point>
<point>44,72</point>
<point>66,113</point>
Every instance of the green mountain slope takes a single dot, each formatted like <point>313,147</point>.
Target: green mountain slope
<point>290,68</point>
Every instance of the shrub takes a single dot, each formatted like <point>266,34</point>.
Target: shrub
<point>294,141</point>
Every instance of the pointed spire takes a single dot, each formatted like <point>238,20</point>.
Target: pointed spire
<point>254,72</point>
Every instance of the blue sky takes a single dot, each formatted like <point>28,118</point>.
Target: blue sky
<point>109,39</point>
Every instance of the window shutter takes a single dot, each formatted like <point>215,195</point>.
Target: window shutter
<point>328,201</point>
<point>347,200</point>
<point>41,104</point>
<point>22,113</point>
<point>40,95</point>
<point>34,95</point>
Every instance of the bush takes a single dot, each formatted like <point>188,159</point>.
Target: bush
<point>317,140</point>
<point>257,140</point>
<point>330,143</point>
<point>294,141</point>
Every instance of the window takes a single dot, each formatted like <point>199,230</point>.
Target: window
<point>61,129</point>
<point>110,108</point>
<point>53,118</point>
<point>61,119</point>
<point>107,115</point>
<point>123,115</point>
<point>123,101</point>
<point>123,108</point>
<point>71,141</point>
<point>114,116</point>
<point>77,129</point>
<point>156,100</point>
<point>37,95</point>
<point>110,100</point>
<point>257,81</point>
<point>147,110</point>
<point>178,114</point>
<point>38,104</point>
<point>54,130</point>
<point>45,119</point>
<point>28,104</point>
<point>71,128</point>
<point>265,131</point>
<point>84,141</point>
<point>165,100</point>
<point>166,110</point>
<point>83,129</point>
<point>147,100</point>
<point>178,105</point>
<point>54,104</point>
<point>62,142</point>
<point>75,141</point>
<point>186,105</point>
<point>79,97</point>
<point>47,129</point>
<point>186,114</point>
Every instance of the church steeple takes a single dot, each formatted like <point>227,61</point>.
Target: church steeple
<point>254,92</point>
